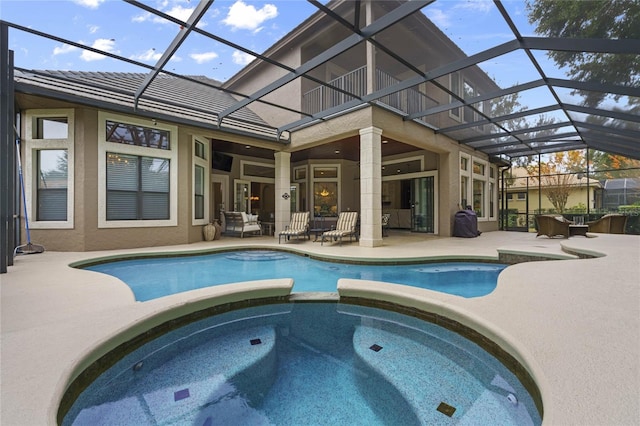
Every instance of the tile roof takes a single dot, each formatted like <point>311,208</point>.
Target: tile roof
<point>194,100</point>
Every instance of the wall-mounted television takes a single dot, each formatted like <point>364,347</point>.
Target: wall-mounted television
<point>221,161</point>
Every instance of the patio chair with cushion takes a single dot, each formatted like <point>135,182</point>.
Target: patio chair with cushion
<point>552,225</point>
<point>385,224</point>
<point>609,224</point>
<point>298,226</point>
<point>241,222</point>
<point>345,227</point>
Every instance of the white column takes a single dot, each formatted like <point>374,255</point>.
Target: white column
<point>283,186</point>
<point>370,187</point>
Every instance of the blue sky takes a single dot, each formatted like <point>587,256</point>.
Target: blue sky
<point>128,31</point>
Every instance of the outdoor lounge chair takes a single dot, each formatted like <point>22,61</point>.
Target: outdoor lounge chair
<point>609,224</point>
<point>552,225</point>
<point>299,225</point>
<point>345,226</point>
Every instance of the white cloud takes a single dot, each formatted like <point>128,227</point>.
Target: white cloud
<point>482,6</point>
<point>177,11</point>
<point>149,55</point>
<point>105,44</point>
<point>438,17</point>
<point>142,18</point>
<point>93,4</point>
<point>242,58</point>
<point>93,29</point>
<point>246,17</point>
<point>65,48</point>
<point>201,58</point>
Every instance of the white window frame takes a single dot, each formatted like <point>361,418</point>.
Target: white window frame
<point>465,173</point>
<point>32,146</point>
<point>484,178</point>
<point>253,178</point>
<point>337,180</point>
<point>419,158</point>
<point>488,214</point>
<point>306,173</point>
<point>466,96</point>
<point>171,154</point>
<point>492,182</point>
<point>204,163</point>
<point>436,195</point>
<point>455,76</point>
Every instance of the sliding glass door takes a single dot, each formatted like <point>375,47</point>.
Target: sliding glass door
<point>423,204</point>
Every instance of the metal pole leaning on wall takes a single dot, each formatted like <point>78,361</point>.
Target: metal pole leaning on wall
<point>588,194</point>
<point>7,152</point>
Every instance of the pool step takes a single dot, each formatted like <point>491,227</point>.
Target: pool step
<point>207,384</point>
<point>440,390</point>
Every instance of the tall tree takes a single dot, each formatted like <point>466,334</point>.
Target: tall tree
<point>610,166</point>
<point>510,104</point>
<point>557,176</point>
<point>609,19</point>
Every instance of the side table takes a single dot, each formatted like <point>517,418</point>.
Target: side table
<point>268,227</point>
<point>317,232</point>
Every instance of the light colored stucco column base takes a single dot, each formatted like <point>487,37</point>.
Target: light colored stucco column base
<point>370,187</point>
<point>283,186</point>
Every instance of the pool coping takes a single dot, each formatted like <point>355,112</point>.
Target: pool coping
<point>85,263</point>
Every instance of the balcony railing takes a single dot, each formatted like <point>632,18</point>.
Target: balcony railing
<point>323,97</point>
<point>408,100</point>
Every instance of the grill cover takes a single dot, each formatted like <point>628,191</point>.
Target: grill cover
<point>465,224</point>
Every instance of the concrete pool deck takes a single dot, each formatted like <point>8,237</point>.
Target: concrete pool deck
<point>575,322</point>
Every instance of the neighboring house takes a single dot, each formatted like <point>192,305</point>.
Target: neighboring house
<point>155,174</point>
<point>528,194</point>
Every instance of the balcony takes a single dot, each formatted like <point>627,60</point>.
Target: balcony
<point>321,98</point>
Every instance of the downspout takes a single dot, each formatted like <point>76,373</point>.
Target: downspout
<point>504,218</point>
<point>539,185</point>
<point>588,190</point>
<point>526,206</point>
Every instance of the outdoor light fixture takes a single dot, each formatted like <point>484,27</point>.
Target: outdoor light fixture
<point>286,196</point>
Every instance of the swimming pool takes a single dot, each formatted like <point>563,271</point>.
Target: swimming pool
<point>151,278</point>
<point>306,363</point>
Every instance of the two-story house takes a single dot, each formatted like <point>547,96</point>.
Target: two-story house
<point>324,129</point>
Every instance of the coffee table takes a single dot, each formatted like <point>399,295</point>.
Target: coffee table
<point>578,230</point>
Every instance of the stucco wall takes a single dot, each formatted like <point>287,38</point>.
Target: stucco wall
<point>440,153</point>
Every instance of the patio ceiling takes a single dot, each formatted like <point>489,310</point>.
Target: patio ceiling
<point>552,114</point>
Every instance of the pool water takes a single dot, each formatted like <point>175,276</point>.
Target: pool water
<point>306,363</point>
<point>156,277</point>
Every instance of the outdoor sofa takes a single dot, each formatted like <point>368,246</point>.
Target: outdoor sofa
<point>239,223</point>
